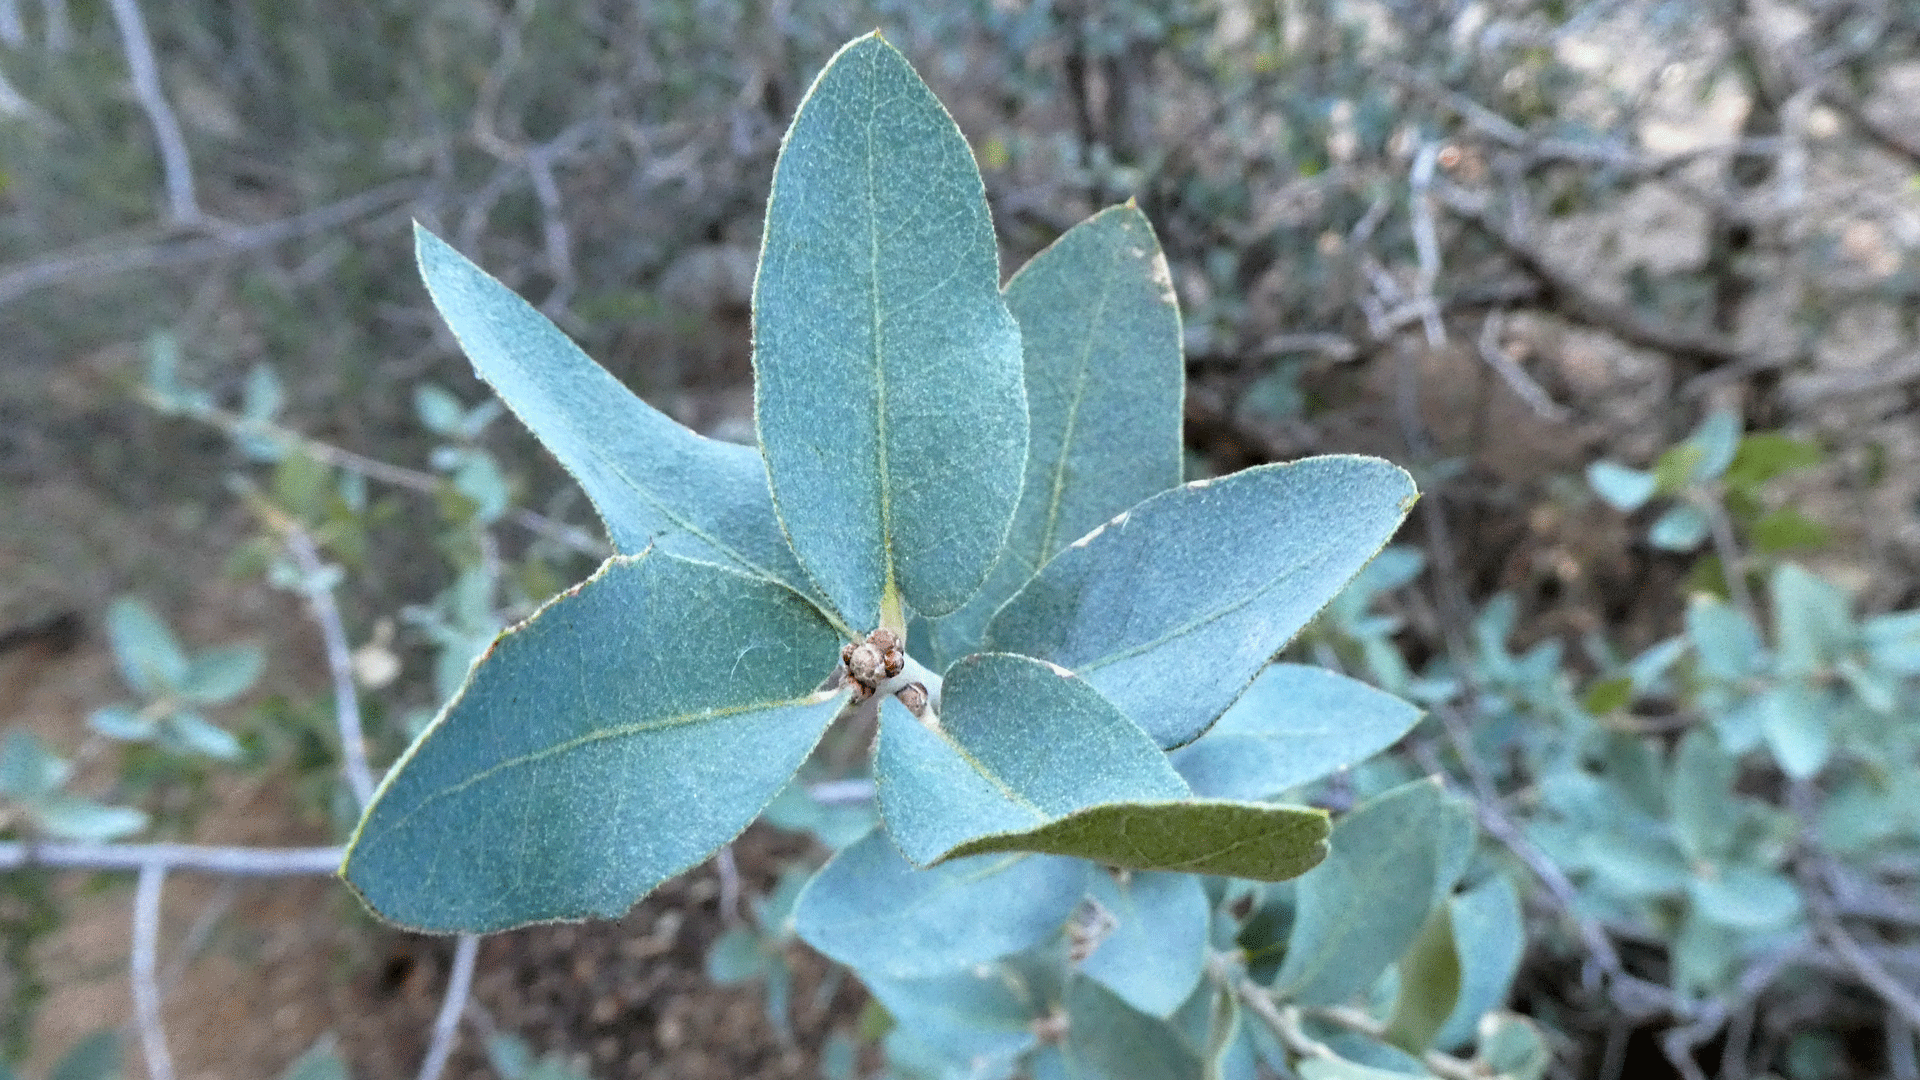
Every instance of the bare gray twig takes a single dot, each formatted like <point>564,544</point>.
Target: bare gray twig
<point>346,699</point>
<point>141,964</point>
<point>446,1025</point>
<point>236,861</point>
<point>183,207</point>
<point>105,258</point>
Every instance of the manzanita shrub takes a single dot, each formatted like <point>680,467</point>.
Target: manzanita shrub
<point>963,525</point>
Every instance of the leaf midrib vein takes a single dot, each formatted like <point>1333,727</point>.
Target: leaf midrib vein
<point>1209,617</point>
<point>1073,416</point>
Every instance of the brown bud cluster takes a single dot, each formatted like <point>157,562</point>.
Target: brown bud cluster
<point>874,660</point>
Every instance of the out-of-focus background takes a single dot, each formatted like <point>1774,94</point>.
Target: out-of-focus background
<point>1495,241</point>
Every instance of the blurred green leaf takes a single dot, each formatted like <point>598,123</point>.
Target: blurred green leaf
<point>201,736</point>
<point>1787,529</point>
<point>322,1061</point>
<point>150,658</point>
<point>222,673</point>
<point>1746,898</point>
<point>1764,455</point>
<point>1622,488</point>
<point>1513,1048</point>
<point>70,817</point>
<point>1429,984</point>
<point>1681,528</point>
<point>1812,622</point>
<point>439,410</point>
<point>1490,938</point>
<point>95,1056</point>
<point>28,770</point>
<point>735,957</point>
<point>1705,809</point>
<point>1797,729</point>
<point>1726,641</point>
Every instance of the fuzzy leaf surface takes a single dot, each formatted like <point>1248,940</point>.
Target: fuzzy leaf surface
<point>1027,757</point>
<point>888,391</point>
<point>871,910</point>
<point>612,741</point>
<point>1174,606</point>
<point>1100,334</point>
<point>1295,724</point>
<point>652,481</point>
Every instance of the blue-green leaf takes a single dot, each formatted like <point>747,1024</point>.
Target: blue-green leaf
<point>196,734</point>
<point>654,482</point>
<point>1718,441</point>
<point>1797,729</point>
<point>1027,757</point>
<point>1490,936</point>
<point>1155,948</point>
<point>28,770</point>
<point>322,1061</point>
<point>1681,528</point>
<point>1726,641</point>
<point>978,1015</point>
<point>1812,624</point>
<point>70,817</point>
<point>1108,1040</point>
<point>888,391</point>
<point>618,737</point>
<point>1295,724</point>
<point>1746,898</point>
<point>221,674</point>
<point>1384,851</point>
<point>149,656</point>
<point>871,910</point>
<point>1018,744</point>
<point>1100,333</point>
<point>94,1057</point>
<point>1623,489</point>
<point>1705,810</point>
<point>1173,607</point>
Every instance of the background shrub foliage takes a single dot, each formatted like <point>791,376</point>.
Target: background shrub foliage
<point>1629,287</point>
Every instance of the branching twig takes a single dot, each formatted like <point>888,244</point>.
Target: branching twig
<point>183,206</point>
<point>1565,295</point>
<point>234,861</point>
<point>426,483</point>
<point>141,965</point>
<point>105,258</point>
<point>346,698</point>
<point>446,1025</point>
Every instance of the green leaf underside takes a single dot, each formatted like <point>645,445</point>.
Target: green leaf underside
<point>1157,950</point>
<point>1361,909</point>
<point>1029,758</point>
<point>1020,744</point>
<point>612,741</point>
<point>1100,334</point>
<point>1295,724</point>
<point>1429,984</point>
<point>1257,841</point>
<point>888,392</point>
<point>1173,607</point>
<point>654,482</point>
<point>871,910</point>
